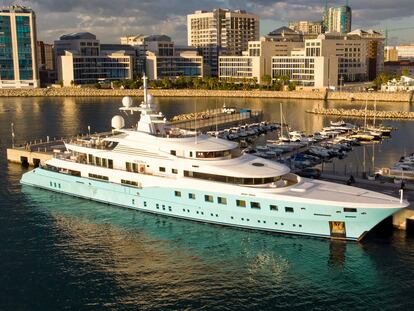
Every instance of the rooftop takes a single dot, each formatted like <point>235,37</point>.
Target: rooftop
<point>78,36</point>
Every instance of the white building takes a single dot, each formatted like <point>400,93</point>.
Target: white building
<point>185,64</point>
<point>221,32</point>
<point>256,61</point>
<point>314,72</point>
<point>18,49</point>
<point>77,69</point>
<point>405,84</point>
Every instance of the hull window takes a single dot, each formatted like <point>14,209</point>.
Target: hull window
<point>337,229</point>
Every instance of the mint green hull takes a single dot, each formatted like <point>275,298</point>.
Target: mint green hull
<point>306,219</point>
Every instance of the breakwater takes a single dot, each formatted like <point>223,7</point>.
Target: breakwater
<point>360,113</point>
<point>312,95</point>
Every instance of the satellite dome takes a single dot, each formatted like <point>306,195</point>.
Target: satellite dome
<point>150,98</point>
<point>127,102</point>
<point>117,122</point>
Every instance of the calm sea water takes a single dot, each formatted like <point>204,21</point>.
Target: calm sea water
<point>59,252</point>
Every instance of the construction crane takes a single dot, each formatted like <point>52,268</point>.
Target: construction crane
<point>387,30</point>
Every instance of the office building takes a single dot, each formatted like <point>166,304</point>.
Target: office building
<point>327,61</point>
<point>315,72</point>
<point>339,19</point>
<point>18,52</point>
<point>285,34</point>
<point>45,56</point>
<point>163,60</point>
<point>80,60</point>
<point>221,32</point>
<point>75,69</point>
<point>400,68</point>
<point>46,63</point>
<point>375,50</point>
<point>256,61</point>
<point>307,27</point>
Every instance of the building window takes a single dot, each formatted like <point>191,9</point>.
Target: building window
<point>222,200</point>
<point>273,207</point>
<point>288,209</point>
<point>255,205</point>
<point>241,203</point>
<point>208,198</point>
<point>191,196</point>
<point>174,171</point>
<point>177,193</point>
<point>162,169</point>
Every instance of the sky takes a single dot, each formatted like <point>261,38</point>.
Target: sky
<point>111,19</point>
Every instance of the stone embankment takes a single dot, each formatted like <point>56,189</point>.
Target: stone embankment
<point>316,95</point>
<point>359,113</point>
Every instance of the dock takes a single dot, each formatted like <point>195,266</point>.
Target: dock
<point>360,113</point>
<point>35,153</point>
<point>211,120</point>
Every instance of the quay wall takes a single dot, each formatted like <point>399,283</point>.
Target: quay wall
<point>312,95</point>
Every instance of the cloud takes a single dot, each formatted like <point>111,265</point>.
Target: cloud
<point>110,19</point>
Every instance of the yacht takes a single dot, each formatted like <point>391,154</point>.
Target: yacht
<point>157,168</point>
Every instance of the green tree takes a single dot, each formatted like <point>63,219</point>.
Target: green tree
<point>266,80</point>
<point>405,72</point>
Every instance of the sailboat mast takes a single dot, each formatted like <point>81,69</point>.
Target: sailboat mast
<point>365,119</point>
<point>144,77</point>
<point>281,121</point>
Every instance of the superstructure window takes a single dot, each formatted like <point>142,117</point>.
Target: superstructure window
<point>98,176</point>
<point>191,196</point>
<point>110,163</point>
<point>230,179</point>
<point>173,152</point>
<point>129,182</point>
<point>208,198</point>
<point>174,171</point>
<point>162,169</point>
<point>273,207</point>
<point>177,193</point>
<point>241,203</point>
<point>255,205</point>
<point>288,209</point>
<point>221,200</point>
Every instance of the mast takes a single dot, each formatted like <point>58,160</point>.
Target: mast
<point>365,119</point>
<point>281,121</point>
<point>145,78</point>
<point>375,110</point>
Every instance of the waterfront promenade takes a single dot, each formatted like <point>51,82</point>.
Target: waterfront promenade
<point>312,95</point>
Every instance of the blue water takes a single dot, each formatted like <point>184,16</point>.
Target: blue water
<point>64,253</point>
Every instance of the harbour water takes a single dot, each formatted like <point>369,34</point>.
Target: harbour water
<point>59,252</point>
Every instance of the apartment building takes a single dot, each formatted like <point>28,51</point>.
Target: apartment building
<point>339,19</point>
<point>18,51</point>
<point>399,52</point>
<point>221,32</point>
<point>307,27</point>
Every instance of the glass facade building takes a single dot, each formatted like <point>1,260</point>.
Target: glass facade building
<point>18,59</point>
